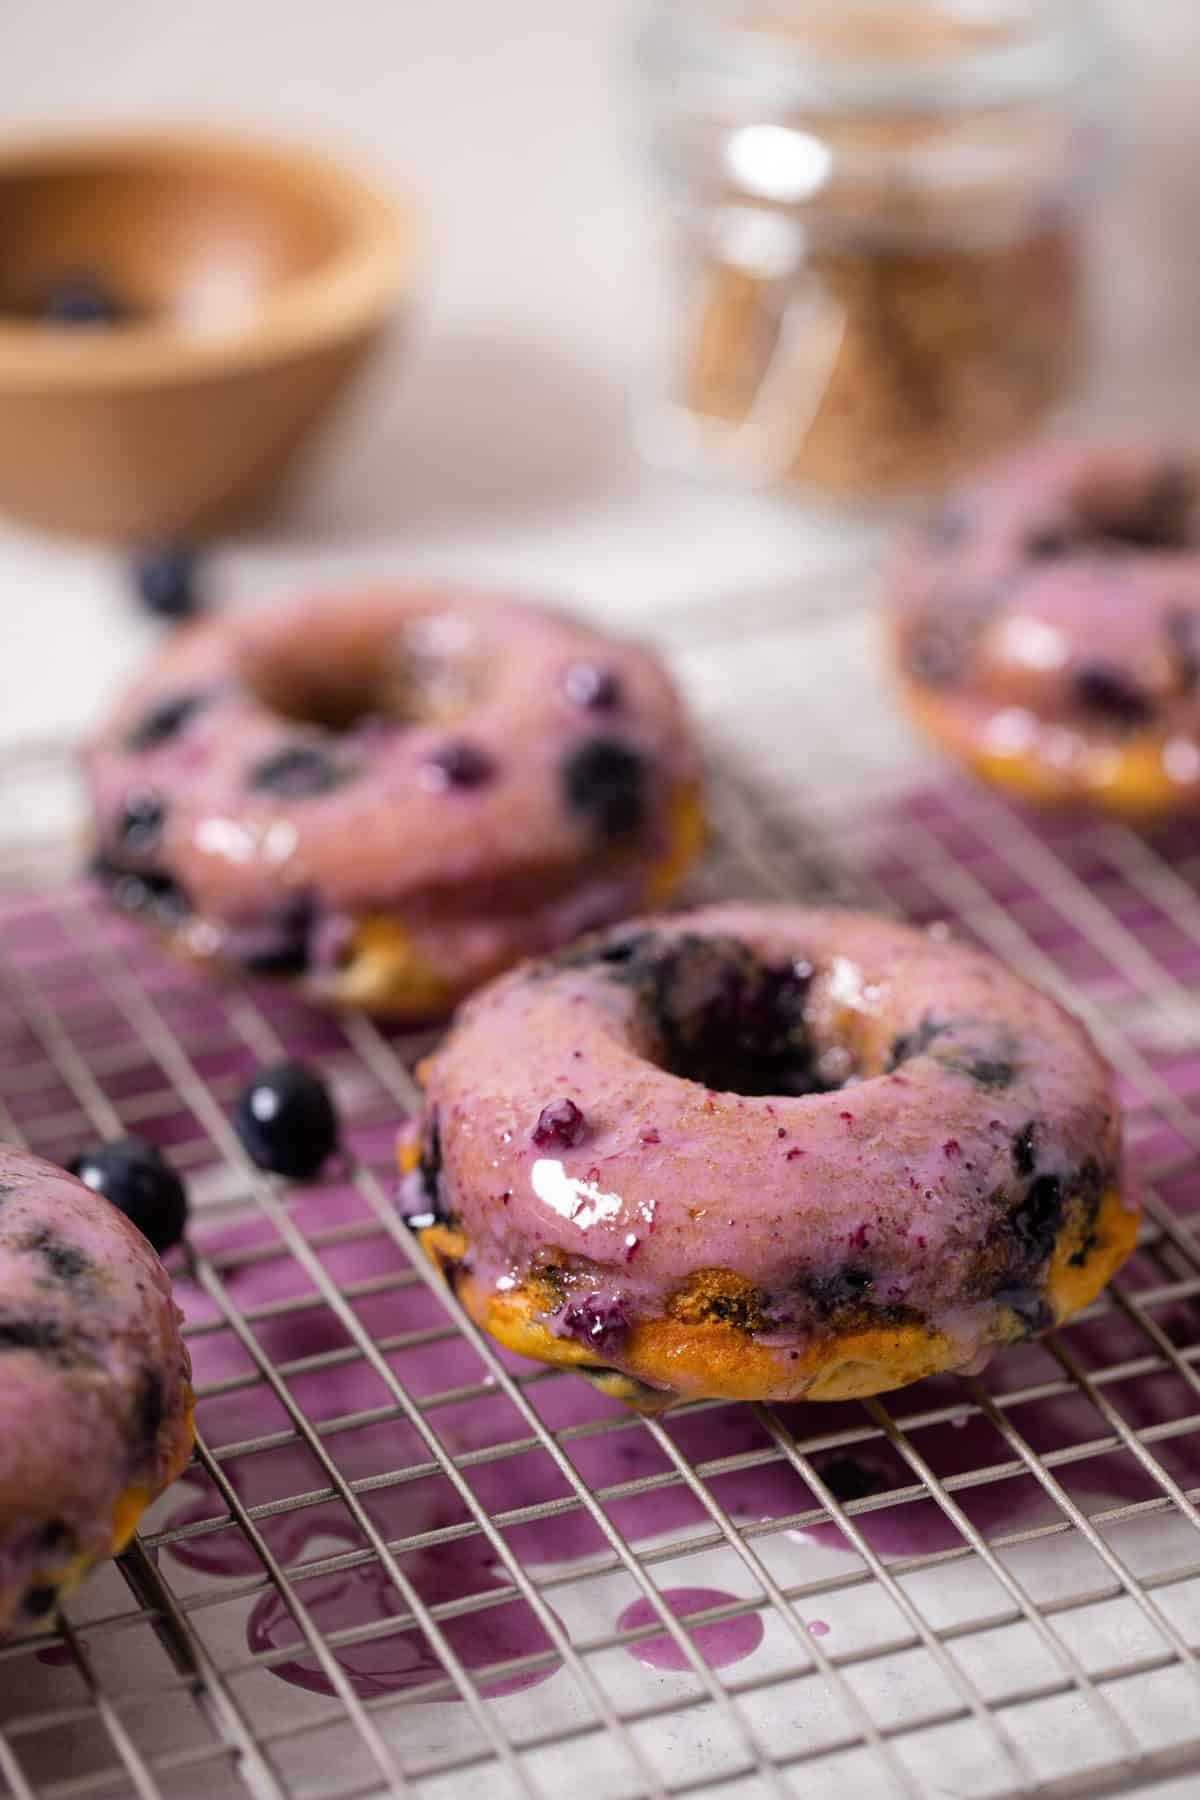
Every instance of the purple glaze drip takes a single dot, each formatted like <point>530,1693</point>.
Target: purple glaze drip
<point>404,1658</point>
<point>719,1643</point>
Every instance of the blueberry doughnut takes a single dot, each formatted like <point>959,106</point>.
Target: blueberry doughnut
<point>95,1402</point>
<point>1047,628</point>
<point>762,1153</point>
<point>390,796</point>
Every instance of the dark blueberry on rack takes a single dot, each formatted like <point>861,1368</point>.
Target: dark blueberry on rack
<point>164,720</point>
<point>605,783</point>
<point>140,824</point>
<point>296,772</point>
<point>136,1177</point>
<point>82,299</point>
<point>287,1121</point>
<point>1104,688</point>
<point>593,689</point>
<point>164,576</point>
<point>460,764</point>
<point>1024,1152</point>
<point>598,1322</point>
<point>560,1126</point>
<point>849,1479</point>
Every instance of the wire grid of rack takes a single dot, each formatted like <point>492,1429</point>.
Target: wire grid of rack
<point>1042,1643</point>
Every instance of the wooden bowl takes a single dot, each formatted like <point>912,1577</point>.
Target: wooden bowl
<point>253,280</point>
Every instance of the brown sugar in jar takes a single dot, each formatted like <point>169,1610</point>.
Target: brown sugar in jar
<point>876,218</point>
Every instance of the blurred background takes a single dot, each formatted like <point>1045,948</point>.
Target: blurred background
<point>491,439</point>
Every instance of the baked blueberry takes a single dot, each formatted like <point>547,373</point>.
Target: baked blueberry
<point>296,771</point>
<point>287,1121</point>
<point>605,783</point>
<point>165,578</point>
<point>165,720</point>
<point>597,1322</point>
<point>136,1177</point>
<point>1104,688</point>
<point>460,764</point>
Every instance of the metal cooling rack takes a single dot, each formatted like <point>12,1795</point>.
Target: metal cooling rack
<point>1051,1652</point>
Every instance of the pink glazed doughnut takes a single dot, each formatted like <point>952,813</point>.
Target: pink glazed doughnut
<point>95,1402</point>
<point>761,1153</point>
<point>1047,628</point>
<point>390,796</point>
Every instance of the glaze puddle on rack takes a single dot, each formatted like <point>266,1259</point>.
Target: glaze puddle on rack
<point>1004,1561</point>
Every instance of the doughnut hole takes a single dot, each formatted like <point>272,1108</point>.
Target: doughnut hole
<point>422,675</point>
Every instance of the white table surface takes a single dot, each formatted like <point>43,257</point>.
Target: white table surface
<point>493,444</point>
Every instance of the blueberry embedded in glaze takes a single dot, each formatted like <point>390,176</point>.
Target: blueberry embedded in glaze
<point>140,822</point>
<point>592,688</point>
<point>838,1290</point>
<point>165,720</point>
<point>460,764</point>
<point>287,1121</point>
<point>1024,1153</point>
<point>560,1126</point>
<point>422,1194</point>
<point>297,771</point>
<point>1033,1225</point>
<point>598,1322</point>
<point>135,1177</point>
<point>65,1263</point>
<point>604,782</point>
<point>143,891</point>
<point>1105,689</point>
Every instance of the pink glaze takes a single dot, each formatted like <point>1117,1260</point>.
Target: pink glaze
<point>902,1176</point>
<point>719,1643</point>
<point>477,873</point>
<point>95,1389</point>
<point>1024,589</point>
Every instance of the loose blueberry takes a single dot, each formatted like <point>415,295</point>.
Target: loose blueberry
<point>142,817</point>
<point>165,578</point>
<point>560,1126</point>
<point>457,765</point>
<point>848,1479</point>
<point>296,772</point>
<point>165,720</point>
<point>605,783</point>
<point>287,1121</point>
<point>82,299</point>
<point>593,689</point>
<point>596,1322</point>
<point>1104,688</point>
<point>136,1177</point>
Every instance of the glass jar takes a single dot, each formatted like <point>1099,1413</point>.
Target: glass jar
<point>876,216</point>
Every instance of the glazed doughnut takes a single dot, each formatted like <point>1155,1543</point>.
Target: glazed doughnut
<point>1047,628</point>
<point>762,1153</point>
<point>95,1405</point>
<point>391,796</point>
